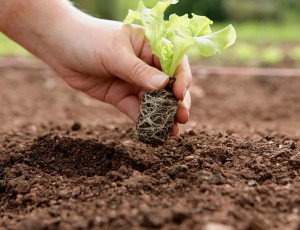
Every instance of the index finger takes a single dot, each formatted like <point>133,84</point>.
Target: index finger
<point>183,77</point>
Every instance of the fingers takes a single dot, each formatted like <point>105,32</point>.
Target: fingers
<point>141,74</point>
<point>130,106</point>
<point>118,93</point>
<point>142,47</point>
<point>136,64</point>
<point>175,131</point>
<point>125,98</point>
<point>183,79</point>
<point>183,114</point>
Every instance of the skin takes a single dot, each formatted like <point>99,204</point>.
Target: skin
<point>107,60</point>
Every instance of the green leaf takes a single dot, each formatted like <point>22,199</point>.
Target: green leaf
<point>213,43</point>
<point>170,39</point>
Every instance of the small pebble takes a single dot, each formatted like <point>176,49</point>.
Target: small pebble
<point>252,183</point>
<point>173,171</point>
<point>293,146</point>
<point>76,126</point>
<point>22,187</point>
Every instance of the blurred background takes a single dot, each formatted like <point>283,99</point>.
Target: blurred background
<point>268,30</point>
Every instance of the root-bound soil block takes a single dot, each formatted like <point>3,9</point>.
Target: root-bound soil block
<point>70,162</point>
<point>157,114</point>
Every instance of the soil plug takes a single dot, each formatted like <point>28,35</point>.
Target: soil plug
<point>157,113</point>
<point>170,40</point>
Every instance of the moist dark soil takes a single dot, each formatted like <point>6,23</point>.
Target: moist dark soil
<point>70,162</point>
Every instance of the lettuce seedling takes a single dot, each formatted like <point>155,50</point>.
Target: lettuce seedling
<point>170,40</point>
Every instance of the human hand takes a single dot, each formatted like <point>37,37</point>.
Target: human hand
<point>107,60</point>
<point>113,63</point>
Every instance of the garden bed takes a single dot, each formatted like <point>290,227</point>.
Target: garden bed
<point>70,162</point>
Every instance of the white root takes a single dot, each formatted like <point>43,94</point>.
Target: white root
<point>156,120</point>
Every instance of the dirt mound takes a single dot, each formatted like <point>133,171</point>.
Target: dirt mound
<point>78,157</point>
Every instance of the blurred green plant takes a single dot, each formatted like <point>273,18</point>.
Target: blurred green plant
<point>248,10</point>
<point>261,33</point>
<point>217,10</point>
<point>245,53</point>
<point>213,9</point>
<point>272,55</point>
<point>295,54</point>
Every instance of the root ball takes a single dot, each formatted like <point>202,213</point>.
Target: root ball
<point>157,114</point>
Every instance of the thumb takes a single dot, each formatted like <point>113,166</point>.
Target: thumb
<point>145,76</point>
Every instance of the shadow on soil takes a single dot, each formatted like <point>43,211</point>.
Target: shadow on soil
<point>78,157</point>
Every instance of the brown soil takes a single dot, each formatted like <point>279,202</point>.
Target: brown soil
<point>70,162</point>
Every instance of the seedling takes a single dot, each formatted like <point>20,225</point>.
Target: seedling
<point>170,40</point>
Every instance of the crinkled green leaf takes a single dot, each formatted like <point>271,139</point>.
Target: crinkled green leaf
<point>216,42</point>
<point>170,39</point>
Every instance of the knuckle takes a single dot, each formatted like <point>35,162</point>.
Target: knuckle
<point>138,70</point>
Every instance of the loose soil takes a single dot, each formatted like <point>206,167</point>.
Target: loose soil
<point>70,162</point>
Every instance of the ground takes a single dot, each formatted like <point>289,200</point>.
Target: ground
<point>70,162</point>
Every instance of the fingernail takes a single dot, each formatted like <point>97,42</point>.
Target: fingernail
<point>158,80</point>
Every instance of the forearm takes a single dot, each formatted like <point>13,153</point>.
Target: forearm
<point>33,23</point>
